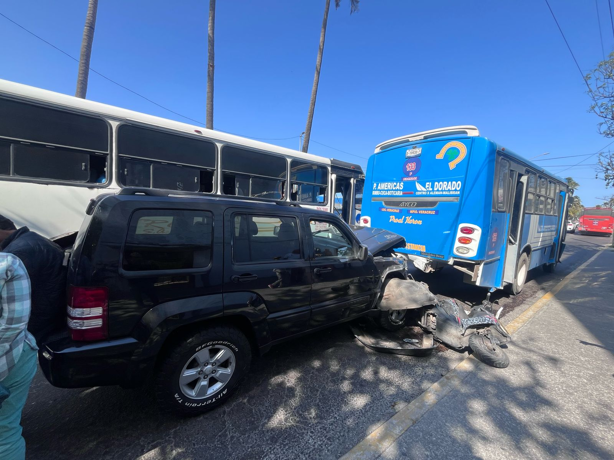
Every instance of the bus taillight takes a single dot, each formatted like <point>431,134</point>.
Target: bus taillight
<point>465,240</point>
<point>467,230</point>
<point>366,221</point>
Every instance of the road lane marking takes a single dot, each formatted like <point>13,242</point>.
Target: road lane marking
<point>374,445</point>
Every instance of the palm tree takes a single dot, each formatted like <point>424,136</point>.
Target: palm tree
<point>86,49</point>
<point>316,79</point>
<point>210,66</point>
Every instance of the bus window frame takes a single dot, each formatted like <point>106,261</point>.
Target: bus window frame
<point>221,171</point>
<point>110,167</point>
<point>507,180</point>
<point>328,196</point>
<point>155,161</point>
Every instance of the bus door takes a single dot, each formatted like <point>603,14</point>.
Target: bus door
<point>518,182</point>
<point>342,197</point>
<point>345,179</point>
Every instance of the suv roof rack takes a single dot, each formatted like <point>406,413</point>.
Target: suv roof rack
<point>169,193</point>
<point>469,130</point>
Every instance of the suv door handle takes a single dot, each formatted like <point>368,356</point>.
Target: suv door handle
<point>243,278</point>
<point>319,271</point>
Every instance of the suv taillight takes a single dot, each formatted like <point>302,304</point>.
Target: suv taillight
<point>88,313</point>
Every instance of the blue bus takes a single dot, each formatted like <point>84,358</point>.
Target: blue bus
<point>462,200</point>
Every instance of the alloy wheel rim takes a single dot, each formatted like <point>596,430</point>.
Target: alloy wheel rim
<point>207,372</point>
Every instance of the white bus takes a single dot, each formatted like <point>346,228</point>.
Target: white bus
<point>57,152</point>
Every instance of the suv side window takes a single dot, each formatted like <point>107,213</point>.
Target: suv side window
<point>329,240</point>
<point>265,238</point>
<point>168,240</point>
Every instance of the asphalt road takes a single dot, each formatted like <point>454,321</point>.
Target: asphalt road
<point>314,397</point>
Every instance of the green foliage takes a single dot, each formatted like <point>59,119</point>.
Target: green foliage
<point>572,183</point>
<point>601,84</point>
<point>609,203</point>
<point>576,208</point>
<point>353,5</point>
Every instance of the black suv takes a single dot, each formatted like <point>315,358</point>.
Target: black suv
<point>189,288</point>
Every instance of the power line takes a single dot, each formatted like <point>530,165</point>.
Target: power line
<point>611,20</point>
<point>565,156</point>
<point>100,74</point>
<point>342,151</point>
<point>590,91</point>
<point>561,166</point>
<point>600,34</point>
<point>596,153</point>
<point>199,122</point>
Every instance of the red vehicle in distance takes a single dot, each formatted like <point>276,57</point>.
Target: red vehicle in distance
<point>596,221</point>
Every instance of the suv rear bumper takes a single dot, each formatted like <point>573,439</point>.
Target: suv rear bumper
<point>68,364</point>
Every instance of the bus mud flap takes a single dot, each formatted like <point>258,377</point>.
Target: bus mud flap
<point>409,341</point>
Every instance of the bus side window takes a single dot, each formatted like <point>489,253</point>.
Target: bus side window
<point>308,182</point>
<point>541,205</point>
<point>165,161</point>
<point>5,159</point>
<point>502,185</point>
<point>530,203</point>
<point>252,173</point>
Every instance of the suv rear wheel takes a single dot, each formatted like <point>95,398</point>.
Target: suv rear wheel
<point>202,371</point>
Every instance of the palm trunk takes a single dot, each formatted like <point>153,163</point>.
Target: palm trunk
<point>316,79</point>
<point>86,49</point>
<point>211,65</point>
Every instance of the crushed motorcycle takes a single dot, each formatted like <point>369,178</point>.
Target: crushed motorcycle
<point>410,320</point>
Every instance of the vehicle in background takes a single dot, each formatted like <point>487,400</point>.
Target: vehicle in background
<point>462,200</point>
<point>596,221</point>
<point>182,291</point>
<point>571,226</point>
<point>57,152</point>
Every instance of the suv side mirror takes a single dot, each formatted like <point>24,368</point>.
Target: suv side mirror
<point>363,252</point>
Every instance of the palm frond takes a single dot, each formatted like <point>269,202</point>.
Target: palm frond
<point>354,4</point>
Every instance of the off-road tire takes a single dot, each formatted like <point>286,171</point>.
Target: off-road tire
<point>515,287</point>
<point>169,395</point>
<point>487,352</point>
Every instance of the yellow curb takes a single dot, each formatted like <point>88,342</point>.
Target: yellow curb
<point>388,432</point>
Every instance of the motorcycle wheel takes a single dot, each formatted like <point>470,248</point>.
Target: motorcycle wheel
<point>488,352</point>
<point>392,320</point>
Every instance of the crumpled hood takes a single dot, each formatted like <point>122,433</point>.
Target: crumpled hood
<point>377,239</point>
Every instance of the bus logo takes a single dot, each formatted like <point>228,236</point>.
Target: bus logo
<point>454,152</point>
<point>413,152</point>
<point>411,167</point>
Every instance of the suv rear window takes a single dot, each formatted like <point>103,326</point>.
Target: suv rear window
<point>168,240</point>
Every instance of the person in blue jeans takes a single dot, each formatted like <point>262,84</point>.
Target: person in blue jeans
<point>18,354</point>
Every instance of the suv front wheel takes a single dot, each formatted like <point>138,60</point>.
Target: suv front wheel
<point>202,371</point>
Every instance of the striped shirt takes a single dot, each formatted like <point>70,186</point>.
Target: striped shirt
<point>14,312</point>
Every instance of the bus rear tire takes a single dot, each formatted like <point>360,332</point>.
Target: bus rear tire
<point>520,277</point>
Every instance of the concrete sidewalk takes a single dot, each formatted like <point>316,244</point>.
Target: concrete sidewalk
<point>556,400</point>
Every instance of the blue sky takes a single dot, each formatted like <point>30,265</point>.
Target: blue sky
<point>395,67</point>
